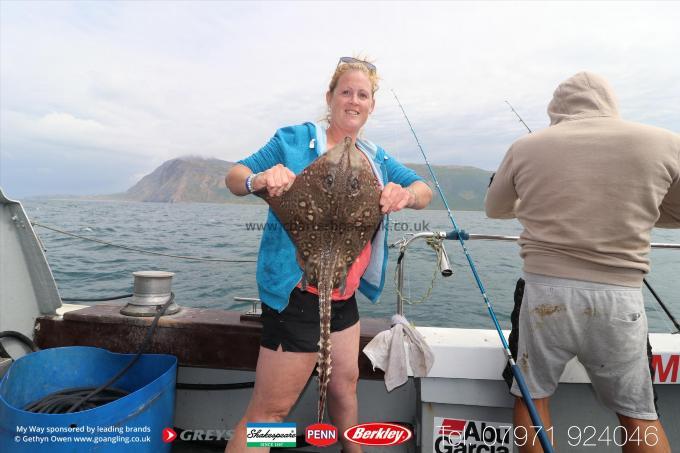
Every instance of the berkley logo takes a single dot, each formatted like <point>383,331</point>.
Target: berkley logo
<point>382,434</point>
<point>321,434</point>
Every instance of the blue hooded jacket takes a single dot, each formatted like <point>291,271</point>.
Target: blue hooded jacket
<point>296,147</point>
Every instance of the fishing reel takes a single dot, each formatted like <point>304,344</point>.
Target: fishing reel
<point>435,240</point>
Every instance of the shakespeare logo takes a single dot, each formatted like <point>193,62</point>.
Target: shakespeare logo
<point>276,435</point>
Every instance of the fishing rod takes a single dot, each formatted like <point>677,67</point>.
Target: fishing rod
<point>517,373</point>
<point>649,287</point>
<point>665,309</point>
<point>520,118</point>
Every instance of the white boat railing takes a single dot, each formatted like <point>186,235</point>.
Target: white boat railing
<point>495,237</point>
<point>436,238</point>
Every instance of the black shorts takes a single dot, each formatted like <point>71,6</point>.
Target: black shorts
<point>297,329</point>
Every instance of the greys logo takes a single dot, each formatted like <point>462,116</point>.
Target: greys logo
<point>206,434</point>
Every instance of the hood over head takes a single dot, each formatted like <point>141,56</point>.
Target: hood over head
<point>584,95</point>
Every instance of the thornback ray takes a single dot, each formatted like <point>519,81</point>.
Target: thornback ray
<point>330,212</point>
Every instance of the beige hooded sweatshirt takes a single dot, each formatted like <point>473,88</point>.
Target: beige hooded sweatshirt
<point>589,189</point>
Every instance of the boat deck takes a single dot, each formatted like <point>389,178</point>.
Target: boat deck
<point>198,337</point>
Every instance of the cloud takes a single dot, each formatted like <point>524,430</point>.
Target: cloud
<point>64,128</point>
<point>136,83</point>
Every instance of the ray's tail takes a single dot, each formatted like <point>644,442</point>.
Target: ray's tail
<point>323,367</point>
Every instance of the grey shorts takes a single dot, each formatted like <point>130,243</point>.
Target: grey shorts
<point>605,326</point>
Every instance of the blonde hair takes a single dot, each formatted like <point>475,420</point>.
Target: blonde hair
<point>355,66</point>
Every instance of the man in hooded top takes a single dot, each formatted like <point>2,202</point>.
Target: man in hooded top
<point>588,190</point>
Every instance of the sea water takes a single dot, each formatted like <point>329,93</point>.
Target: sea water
<point>85,269</point>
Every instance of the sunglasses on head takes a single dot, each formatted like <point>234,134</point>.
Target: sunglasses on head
<point>370,66</point>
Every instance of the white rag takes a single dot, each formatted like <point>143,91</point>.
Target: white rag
<point>400,352</point>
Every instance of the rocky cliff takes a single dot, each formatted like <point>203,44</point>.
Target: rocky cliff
<point>194,179</point>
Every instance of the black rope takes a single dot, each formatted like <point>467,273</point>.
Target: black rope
<point>70,299</point>
<point>17,336</point>
<point>3,352</point>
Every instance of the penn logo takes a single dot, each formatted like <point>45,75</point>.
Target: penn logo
<point>378,434</point>
<point>321,434</point>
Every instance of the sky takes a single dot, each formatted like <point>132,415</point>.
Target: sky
<point>94,95</point>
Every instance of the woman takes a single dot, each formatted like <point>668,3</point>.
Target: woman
<point>290,316</point>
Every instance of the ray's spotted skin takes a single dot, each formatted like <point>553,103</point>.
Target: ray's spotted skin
<point>330,212</point>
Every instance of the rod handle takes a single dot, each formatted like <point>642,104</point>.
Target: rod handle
<point>455,235</point>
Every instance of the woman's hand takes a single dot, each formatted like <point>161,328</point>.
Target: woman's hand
<point>276,180</point>
<point>395,198</point>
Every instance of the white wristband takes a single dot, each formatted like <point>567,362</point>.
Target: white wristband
<point>249,182</point>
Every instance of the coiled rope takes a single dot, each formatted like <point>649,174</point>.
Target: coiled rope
<point>83,398</point>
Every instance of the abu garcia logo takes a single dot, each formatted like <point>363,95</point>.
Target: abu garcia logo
<point>471,436</point>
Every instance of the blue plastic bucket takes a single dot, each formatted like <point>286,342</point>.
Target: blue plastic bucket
<point>132,423</point>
